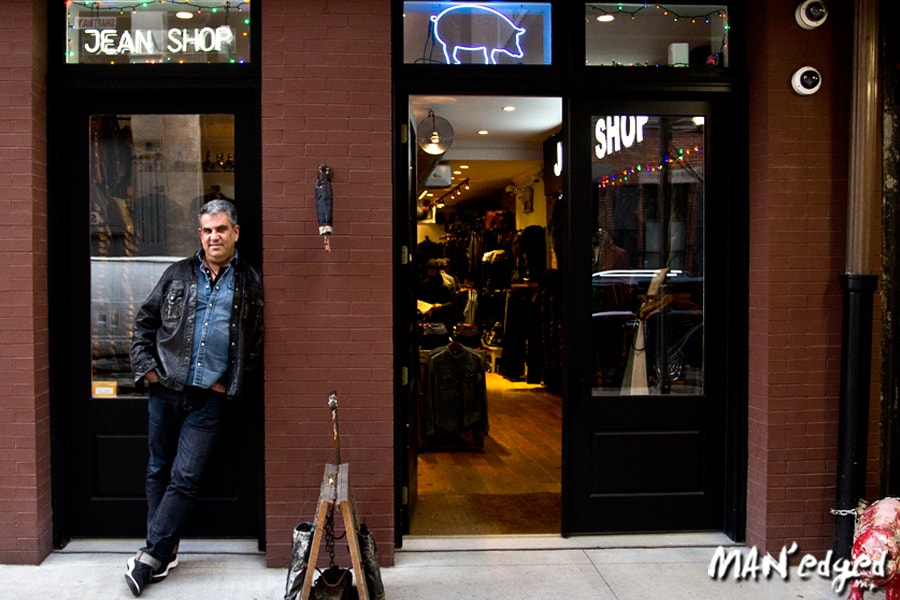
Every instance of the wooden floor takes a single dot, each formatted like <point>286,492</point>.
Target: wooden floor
<point>513,486</point>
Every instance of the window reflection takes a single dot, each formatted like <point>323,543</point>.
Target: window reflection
<point>149,176</point>
<point>648,262</point>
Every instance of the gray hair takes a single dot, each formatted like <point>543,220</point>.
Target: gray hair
<point>214,207</point>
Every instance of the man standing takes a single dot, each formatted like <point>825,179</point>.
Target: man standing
<point>196,337</point>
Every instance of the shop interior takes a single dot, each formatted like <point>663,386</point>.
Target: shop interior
<point>489,410</point>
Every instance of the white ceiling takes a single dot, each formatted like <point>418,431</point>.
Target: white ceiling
<point>511,151</point>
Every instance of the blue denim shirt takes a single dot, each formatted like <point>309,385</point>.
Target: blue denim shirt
<point>212,331</point>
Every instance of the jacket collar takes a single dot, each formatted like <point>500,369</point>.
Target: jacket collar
<point>198,258</point>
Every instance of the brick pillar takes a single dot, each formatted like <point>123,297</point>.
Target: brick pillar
<point>326,98</point>
<point>25,503</point>
<point>798,208</point>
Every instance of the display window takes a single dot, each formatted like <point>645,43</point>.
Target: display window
<point>487,33</point>
<point>158,32</point>
<point>656,35</point>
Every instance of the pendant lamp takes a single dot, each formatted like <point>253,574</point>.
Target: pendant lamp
<point>434,134</point>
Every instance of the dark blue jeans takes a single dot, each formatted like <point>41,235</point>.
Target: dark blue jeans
<point>183,430</point>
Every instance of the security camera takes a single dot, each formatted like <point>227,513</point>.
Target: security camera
<point>810,14</point>
<point>806,81</point>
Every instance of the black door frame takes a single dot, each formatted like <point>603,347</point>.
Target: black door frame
<point>725,306</point>
<point>74,91</point>
<point>571,80</point>
<point>69,293</point>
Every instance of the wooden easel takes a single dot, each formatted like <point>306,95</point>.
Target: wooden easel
<point>336,493</point>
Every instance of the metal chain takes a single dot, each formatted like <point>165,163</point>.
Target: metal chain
<point>856,512</point>
<point>846,512</point>
<point>329,534</point>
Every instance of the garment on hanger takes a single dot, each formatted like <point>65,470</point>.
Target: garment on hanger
<point>456,392</point>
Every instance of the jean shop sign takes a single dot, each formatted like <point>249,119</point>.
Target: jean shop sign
<point>154,42</point>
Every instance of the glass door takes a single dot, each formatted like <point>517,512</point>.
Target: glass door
<point>129,179</point>
<point>647,271</point>
<point>149,175</point>
<point>646,431</point>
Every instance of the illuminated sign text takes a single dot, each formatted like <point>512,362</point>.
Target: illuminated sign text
<point>485,25</point>
<point>558,165</point>
<point>144,41</point>
<point>613,133</point>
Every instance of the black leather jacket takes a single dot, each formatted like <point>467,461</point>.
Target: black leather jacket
<point>164,326</point>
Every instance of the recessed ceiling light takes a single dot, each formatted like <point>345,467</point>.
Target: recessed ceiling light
<point>463,166</point>
<point>457,172</point>
<point>482,132</point>
<point>184,14</point>
<point>509,108</point>
<point>607,18</point>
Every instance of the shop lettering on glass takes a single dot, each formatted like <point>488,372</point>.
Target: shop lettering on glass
<point>112,42</point>
<point>613,133</point>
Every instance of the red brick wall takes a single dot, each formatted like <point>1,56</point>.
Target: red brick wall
<point>25,507</point>
<point>798,209</point>
<point>326,97</point>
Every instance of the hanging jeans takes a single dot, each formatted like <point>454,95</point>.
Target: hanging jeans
<point>183,430</point>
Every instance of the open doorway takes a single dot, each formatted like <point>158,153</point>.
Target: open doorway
<point>487,457</point>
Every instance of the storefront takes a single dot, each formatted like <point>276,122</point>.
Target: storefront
<point>153,112</point>
<point>615,292</point>
<point>662,261</point>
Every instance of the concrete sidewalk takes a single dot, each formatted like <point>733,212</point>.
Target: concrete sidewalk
<point>671,567</point>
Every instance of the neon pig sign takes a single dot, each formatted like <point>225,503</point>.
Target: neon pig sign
<point>144,41</point>
<point>488,25</point>
<point>612,133</point>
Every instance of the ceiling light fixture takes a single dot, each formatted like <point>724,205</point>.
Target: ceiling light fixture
<point>482,132</point>
<point>454,192</point>
<point>434,134</point>
<point>606,18</point>
<point>509,108</point>
<point>184,14</point>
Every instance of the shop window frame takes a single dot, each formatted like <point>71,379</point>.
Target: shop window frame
<point>182,76</point>
<point>568,51</point>
<point>465,73</point>
<point>664,15</point>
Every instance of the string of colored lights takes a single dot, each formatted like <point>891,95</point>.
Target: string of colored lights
<point>679,158</point>
<point>712,60</point>
<point>103,41</point>
<point>122,6</point>
<point>667,11</point>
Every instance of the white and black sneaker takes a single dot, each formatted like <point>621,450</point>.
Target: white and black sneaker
<point>137,575</point>
<point>163,572</point>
